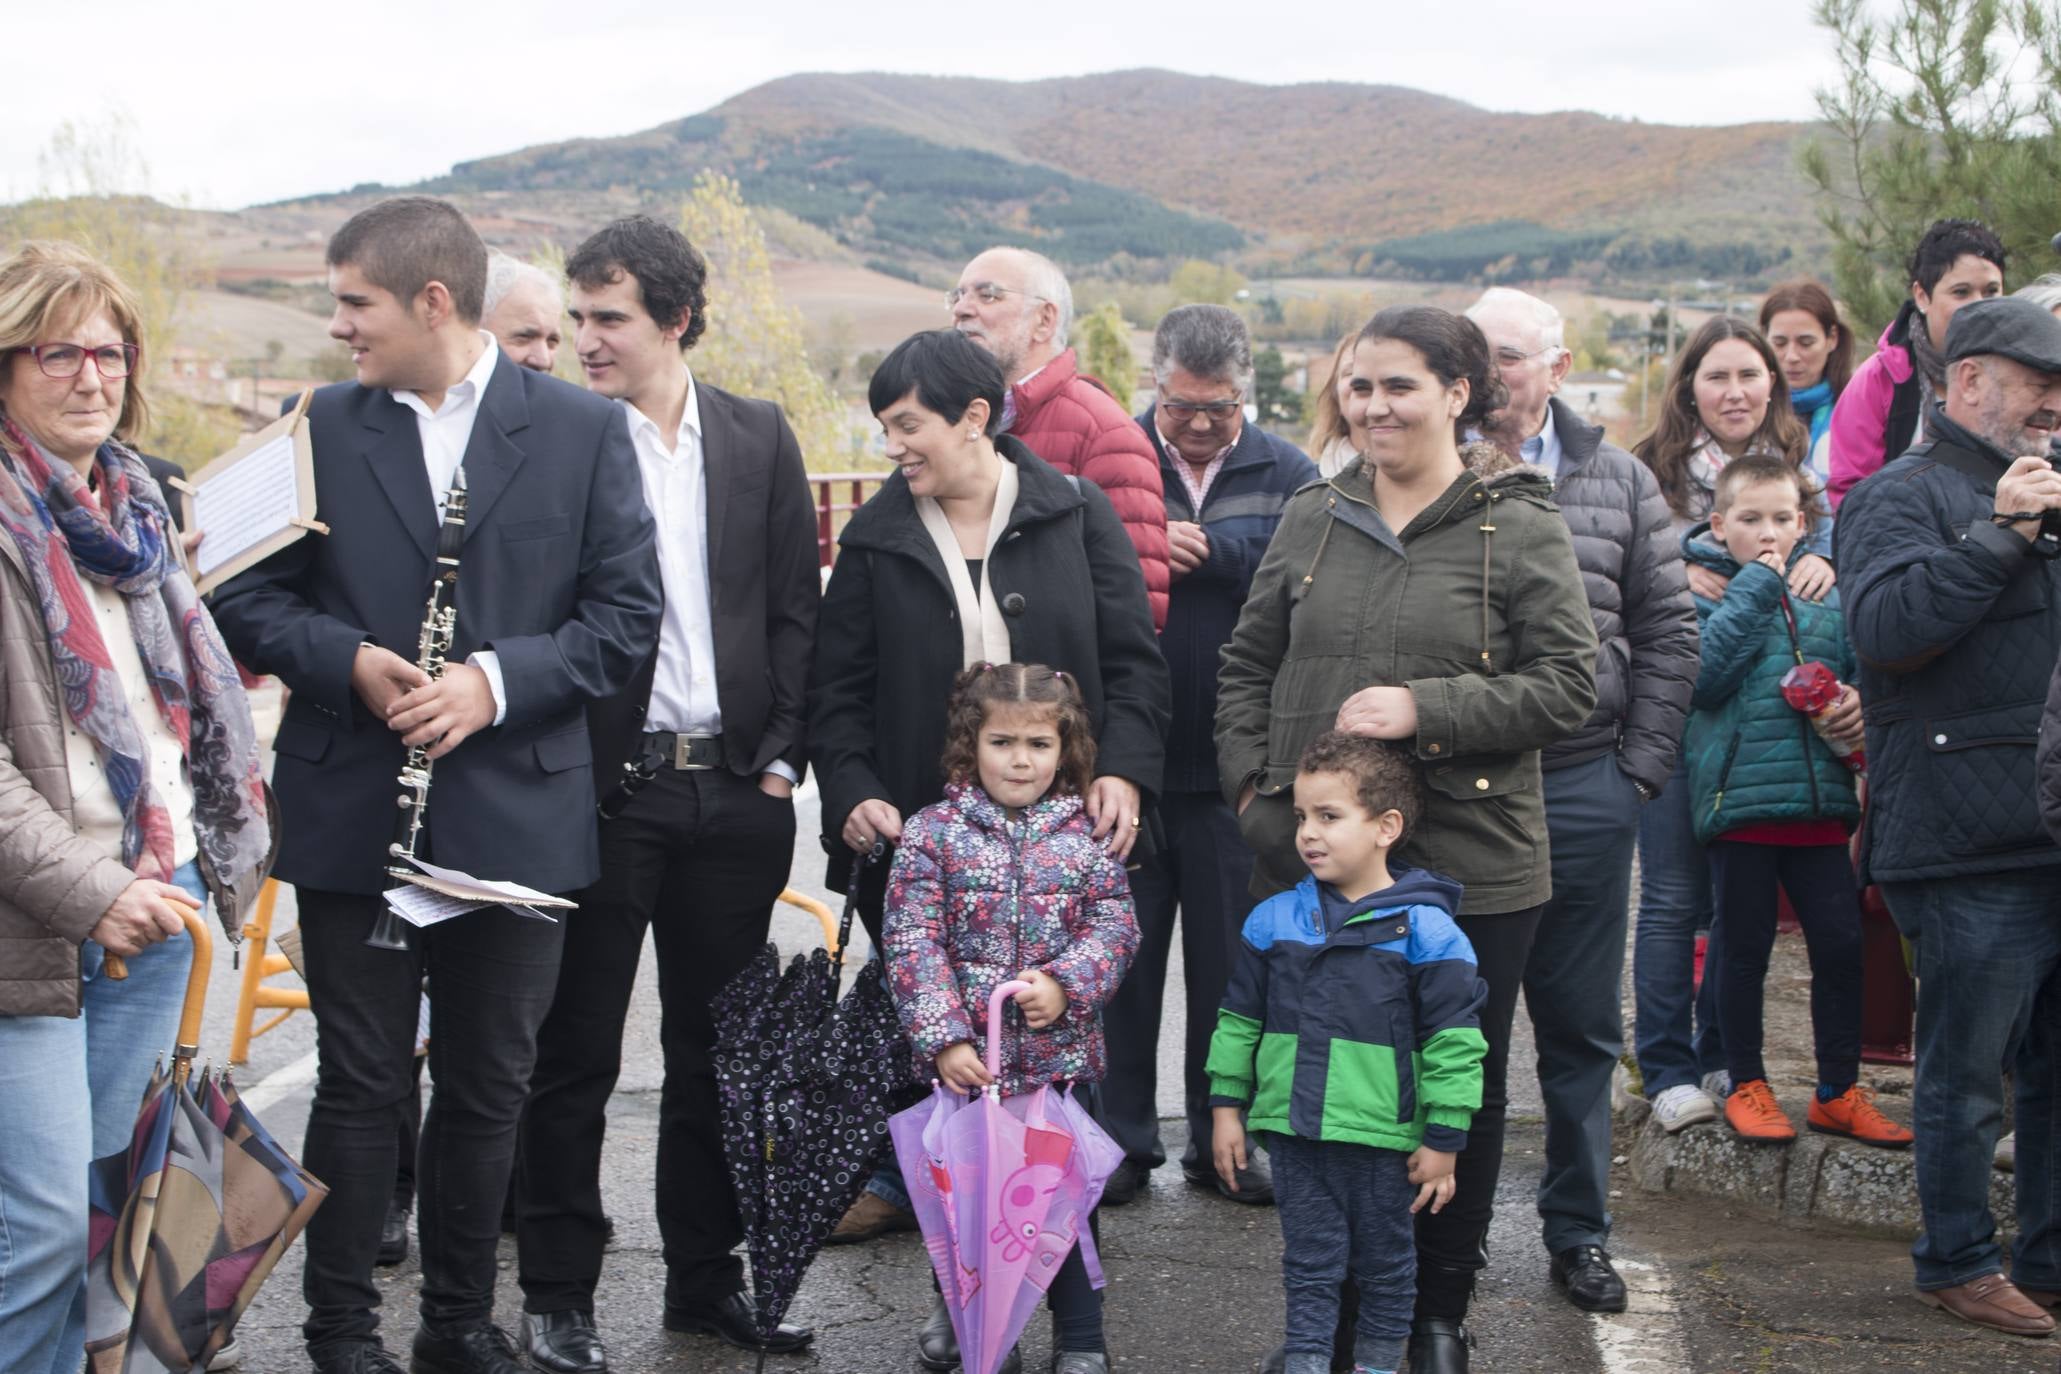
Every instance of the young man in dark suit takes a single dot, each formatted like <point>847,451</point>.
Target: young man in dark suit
<point>557,599</point>
<point>698,846</point>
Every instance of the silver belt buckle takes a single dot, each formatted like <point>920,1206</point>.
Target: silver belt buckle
<point>683,752</point>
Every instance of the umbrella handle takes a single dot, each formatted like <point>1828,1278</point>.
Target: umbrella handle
<point>196,985</point>
<point>1002,992</point>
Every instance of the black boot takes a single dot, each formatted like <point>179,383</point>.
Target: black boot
<point>1438,1346</point>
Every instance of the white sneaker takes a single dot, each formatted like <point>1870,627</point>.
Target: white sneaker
<point>229,1357</point>
<point>2006,1157</point>
<point>1718,1083</point>
<point>1680,1107</point>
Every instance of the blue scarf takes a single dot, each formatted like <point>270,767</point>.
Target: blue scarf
<point>1814,404</point>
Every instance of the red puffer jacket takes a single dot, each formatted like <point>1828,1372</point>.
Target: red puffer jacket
<point>1072,423</point>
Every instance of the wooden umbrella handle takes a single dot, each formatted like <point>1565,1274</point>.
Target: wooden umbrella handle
<point>117,968</point>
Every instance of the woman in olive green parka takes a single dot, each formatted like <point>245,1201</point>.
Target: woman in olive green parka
<point>1412,598</point>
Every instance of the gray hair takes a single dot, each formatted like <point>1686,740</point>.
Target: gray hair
<point>2044,292</point>
<point>505,273</point>
<point>1206,341</point>
<point>1043,279</point>
<point>1544,318</point>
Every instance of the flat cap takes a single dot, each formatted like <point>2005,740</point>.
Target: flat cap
<point>2010,327</point>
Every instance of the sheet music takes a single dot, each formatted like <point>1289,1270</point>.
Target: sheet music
<point>483,892</point>
<point>423,907</point>
<point>247,504</point>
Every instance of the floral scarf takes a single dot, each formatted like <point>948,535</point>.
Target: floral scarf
<point>124,541</point>
<point>1702,469</point>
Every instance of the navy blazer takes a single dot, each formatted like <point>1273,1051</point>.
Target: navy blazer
<point>558,576</point>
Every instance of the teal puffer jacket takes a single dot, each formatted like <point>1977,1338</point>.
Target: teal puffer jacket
<point>1753,757</point>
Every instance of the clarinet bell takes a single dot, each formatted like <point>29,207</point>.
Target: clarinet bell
<point>388,931</point>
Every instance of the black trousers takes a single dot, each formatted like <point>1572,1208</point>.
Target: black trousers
<point>491,975</point>
<point>1204,870</point>
<point>1452,1245</point>
<point>1819,879</point>
<point>699,858</point>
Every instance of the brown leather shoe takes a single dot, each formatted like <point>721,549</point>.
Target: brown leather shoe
<point>1991,1301</point>
<point>872,1215</point>
<point>2042,1297</point>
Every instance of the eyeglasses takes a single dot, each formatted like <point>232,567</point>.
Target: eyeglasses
<point>1511,357</point>
<point>1213,411</point>
<point>64,360</point>
<point>988,291</point>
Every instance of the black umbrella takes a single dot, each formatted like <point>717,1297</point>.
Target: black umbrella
<point>807,1082</point>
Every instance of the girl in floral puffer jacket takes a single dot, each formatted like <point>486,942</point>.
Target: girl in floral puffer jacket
<point>1001,880</point>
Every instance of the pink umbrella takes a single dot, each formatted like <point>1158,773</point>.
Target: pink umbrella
<point>1002,1190</point>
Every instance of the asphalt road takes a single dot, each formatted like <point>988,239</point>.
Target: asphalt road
<point>1194,1280</point>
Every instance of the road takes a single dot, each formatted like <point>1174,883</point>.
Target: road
<point>1194,1280</point>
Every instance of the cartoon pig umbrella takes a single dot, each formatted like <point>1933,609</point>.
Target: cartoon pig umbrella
<point>1002,1193</point>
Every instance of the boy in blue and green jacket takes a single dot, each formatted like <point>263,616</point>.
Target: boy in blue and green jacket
<point>1351,1030</point>
<point>1774,801</point>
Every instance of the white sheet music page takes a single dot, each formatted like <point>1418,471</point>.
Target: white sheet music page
<point>247,504</point>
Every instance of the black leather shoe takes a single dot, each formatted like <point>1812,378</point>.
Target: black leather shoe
<point>1122,1188</point>
<point>734,1319</point>
<point>564,1342</point>
<point>393,1236</point>
<point>475,1350</point>
<point>369,1357</point>
<point>1255,1184</point>
<point>937,1345</point>
<point>1591,1281</point>
<point>1438,1346</point>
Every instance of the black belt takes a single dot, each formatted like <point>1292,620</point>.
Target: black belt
<point>663,749</point>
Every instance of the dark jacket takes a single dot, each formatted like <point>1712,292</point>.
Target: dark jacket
<point>1754,758</point>
<point>1631,562</point>
<point>888,642</point>
<point>557,576</point>
<point>1239,513</point>
<point>763,585</point>
<point>1477,608</point>
<point>1958,628</point>
<point>1356,1022</point>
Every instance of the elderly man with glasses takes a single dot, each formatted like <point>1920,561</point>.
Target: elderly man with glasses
<point>1016,304</point>
<point>1225,482</point>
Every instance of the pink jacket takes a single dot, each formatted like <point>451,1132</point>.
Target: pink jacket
<point>1072,423</point>
<point>1861,418</point>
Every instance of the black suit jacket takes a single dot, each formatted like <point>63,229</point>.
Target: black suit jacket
<point>763,582</point>
<point>557,576</point>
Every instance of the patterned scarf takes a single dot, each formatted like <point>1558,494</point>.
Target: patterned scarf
<point>1703,468</point>
<point>123,541</point>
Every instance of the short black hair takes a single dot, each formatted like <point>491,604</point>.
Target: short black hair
<point>947,371</point>
<point>404,244</point>
<point>1385,776</point>
<point>1948,241</point>
<point>671,275</point>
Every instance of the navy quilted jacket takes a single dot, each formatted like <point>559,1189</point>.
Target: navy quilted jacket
<point>1958,628</point>
<point>1753,757</point>
<point>1239,513</point>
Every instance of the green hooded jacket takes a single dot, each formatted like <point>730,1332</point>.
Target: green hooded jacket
<point>1477,607</point>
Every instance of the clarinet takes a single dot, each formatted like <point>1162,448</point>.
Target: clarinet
<point>432,644</point>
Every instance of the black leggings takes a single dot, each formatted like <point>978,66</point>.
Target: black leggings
<point>1819,879</point>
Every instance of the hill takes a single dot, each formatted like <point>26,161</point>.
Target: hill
<point>1092,167</point>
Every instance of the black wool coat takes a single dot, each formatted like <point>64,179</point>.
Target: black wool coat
<point>888,642</point>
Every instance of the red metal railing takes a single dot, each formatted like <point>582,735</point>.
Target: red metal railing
<point>832,513</point>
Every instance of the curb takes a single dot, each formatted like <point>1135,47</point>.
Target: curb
<point>1815,1178</point>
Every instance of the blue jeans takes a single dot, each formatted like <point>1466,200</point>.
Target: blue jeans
<point>1345,1210</point>
<point>1675,901</point>
<point>1989,997</point>
<point>53,1129</point>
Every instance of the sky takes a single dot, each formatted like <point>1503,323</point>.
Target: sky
<point>226,103</point>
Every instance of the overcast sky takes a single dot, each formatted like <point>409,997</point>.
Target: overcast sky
<point>236,101</point>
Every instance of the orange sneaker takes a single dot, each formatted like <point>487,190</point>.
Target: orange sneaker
<point>1752,1112</point>
<point>1853,1114</point>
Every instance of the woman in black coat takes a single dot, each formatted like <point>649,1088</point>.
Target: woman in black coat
<point>1039,571</point>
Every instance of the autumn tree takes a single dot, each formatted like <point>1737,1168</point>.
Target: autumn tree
<point>1942,108</point>
<point>1104,341</point>
<point>756,342</point>
<point>92,194</point>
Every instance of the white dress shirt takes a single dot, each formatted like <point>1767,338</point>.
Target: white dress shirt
<point>683,681</point>
<point>445,432</point>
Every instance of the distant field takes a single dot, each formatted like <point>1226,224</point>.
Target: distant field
<point>239,327</point>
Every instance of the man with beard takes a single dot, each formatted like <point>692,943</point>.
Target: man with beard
<point>1016,304</point>
<point>1953,602</point>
